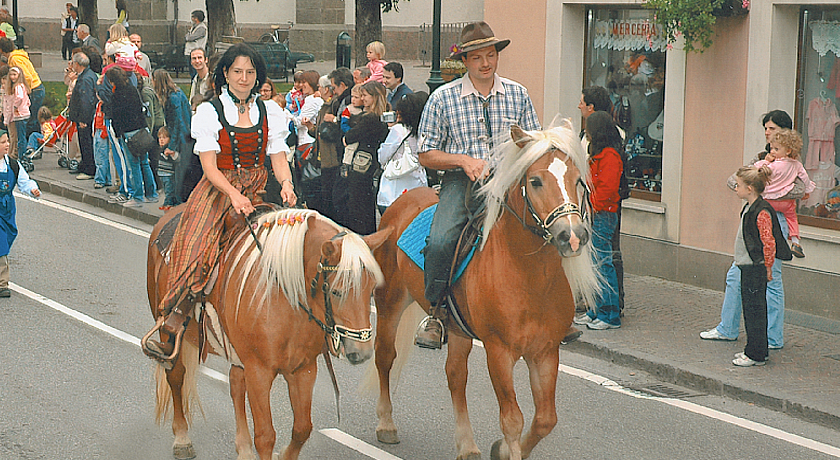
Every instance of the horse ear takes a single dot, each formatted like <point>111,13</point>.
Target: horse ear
<point>519,136</point>
<point>376,239</point>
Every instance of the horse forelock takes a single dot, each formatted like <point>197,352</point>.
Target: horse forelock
<point>356,260</point>
<point>510,162</point>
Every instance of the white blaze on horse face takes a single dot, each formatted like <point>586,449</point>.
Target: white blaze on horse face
<point>559,168</point>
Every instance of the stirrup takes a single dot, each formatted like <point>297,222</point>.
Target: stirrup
<point>157,354</point>
<point>422,339</point>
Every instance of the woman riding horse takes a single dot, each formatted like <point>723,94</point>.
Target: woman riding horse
<point>233,133</point>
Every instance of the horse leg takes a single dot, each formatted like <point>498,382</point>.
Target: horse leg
<point>300,383</point>
<point>258,381</point>
<point>500,365</point>
<point>456,375</point>
<point>182,447</point>
<point>386,330</point>
<point>237,395</point>
<point>543,375</point>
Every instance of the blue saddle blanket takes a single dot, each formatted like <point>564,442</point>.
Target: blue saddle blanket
<point>413,240</point>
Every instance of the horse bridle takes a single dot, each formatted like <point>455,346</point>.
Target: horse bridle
<point>542,229</point>
<point>334,331</point>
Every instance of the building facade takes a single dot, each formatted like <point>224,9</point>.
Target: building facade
<point>693,119</point>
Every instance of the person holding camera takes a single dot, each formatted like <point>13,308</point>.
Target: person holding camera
<point>368,132</point>
<point>398,154</point>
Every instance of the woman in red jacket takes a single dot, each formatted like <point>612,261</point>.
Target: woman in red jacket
<point>605,169</point>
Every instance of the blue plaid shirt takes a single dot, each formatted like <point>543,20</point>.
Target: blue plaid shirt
<point>454,121</point>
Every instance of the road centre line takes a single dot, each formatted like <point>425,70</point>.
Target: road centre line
<point>379,454</point>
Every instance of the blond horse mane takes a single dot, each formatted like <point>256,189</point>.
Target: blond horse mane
<point>510,163</point>
<point>281,263</point>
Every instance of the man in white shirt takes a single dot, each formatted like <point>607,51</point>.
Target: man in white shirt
<point>201,80</point>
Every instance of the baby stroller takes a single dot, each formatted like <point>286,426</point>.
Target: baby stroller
<point>59,140</point>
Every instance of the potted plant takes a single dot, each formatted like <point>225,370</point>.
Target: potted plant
<point>451,69</point>
<point>693,19</point>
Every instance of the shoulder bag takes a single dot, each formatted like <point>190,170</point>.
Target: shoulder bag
<point>401,163</point>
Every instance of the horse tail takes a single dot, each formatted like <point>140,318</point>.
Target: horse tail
<point>403,342</point>
<point>163,403</point>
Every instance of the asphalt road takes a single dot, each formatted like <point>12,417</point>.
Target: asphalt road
<point>71,390</point>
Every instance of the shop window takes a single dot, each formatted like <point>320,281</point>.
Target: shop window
<point>816,118</point>
<point>625,53</point>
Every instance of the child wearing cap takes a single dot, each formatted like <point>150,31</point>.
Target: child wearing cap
<point>11,174</point>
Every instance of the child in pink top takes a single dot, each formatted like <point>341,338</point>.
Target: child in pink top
<point>375,53</point>
<point>16,109</point>
<point>783,160</point>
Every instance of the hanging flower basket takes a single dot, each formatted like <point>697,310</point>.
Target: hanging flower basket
<point>732,8</point>
<point>451,69</point>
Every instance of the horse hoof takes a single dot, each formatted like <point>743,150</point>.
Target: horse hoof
<point>470,456</point>
<point>185,452</point>
<point>387,436</point>
<point>495,450</point>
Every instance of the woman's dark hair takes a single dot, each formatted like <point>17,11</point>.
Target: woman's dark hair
<point>120,5</point>
<point>780,117</point>
<point>239,49</point>
<point>117,77</point>
<point>602,132</point>
<point>410,108</point>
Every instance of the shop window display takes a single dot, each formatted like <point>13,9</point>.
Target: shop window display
<point>625,53</point>
<point>817,117</point>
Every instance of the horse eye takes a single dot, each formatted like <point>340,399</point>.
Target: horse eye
<point>536,182</point>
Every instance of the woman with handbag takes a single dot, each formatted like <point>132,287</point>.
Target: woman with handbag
<point>398,154</point>
<point>177,116</point>
<point>129,124</point>
<point>307,166</point>
<point>368,131</point>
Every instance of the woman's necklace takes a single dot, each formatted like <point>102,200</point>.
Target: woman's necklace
<point>242,105</point>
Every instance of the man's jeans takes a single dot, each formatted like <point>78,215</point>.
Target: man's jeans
<point>100,158</point>
<point>140,174</point>
<point>730,314</point>
<point>36,100</point>
<point>606,306</point>
<point>451,215</point>
<point>120,163</point>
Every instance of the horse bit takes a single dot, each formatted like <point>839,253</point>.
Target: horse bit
<point>335,331</point>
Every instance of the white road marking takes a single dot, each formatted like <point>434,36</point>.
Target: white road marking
<point>85,215</point>
<point>700,410</point>
<point>357,444</point>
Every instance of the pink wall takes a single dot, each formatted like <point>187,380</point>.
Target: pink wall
<point>524,59</point>
<point>714,137</point>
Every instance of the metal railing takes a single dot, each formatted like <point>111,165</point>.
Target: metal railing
<point>449,35</point>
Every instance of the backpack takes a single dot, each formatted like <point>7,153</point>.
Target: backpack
<point>622,113</point>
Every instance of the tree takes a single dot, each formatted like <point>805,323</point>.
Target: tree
<point>89,14</point>
<point>369,24</point>
<point>221,20</point>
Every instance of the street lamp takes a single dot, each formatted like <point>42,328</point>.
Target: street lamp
<point>434,80</point>
<point>19,39</point>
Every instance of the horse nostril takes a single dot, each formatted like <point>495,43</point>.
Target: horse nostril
<point>354,358</point>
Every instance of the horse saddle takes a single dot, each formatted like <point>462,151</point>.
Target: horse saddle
<point>413,241</point>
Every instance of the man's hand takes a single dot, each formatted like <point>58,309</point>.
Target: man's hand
<point>474,168</point>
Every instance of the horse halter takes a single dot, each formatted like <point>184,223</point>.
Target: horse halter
<point>542,229</point>
<point>334,331</point>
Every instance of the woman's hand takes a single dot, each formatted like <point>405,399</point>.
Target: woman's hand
<point>36,193</point>
<point>287,193</point>
<point>241,204</point>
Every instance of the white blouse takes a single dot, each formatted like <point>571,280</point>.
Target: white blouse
<point>205,125</point>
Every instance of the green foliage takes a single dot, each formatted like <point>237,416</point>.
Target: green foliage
<point>55,97</point>
<point>692,19</point>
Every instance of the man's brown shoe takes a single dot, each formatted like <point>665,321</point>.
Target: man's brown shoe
<point>430,334</point>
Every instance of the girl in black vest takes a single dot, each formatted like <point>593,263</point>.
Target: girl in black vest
<point>758,242</point>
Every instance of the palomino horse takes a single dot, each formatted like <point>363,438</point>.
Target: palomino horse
<point>277,301</point>
<point>517,294</point>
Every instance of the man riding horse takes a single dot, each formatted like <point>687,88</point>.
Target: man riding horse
<point>480,103</point>
<point>233,132</point>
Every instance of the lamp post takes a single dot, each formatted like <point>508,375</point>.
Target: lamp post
<point>434,80</point>
<point>19,39</point>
